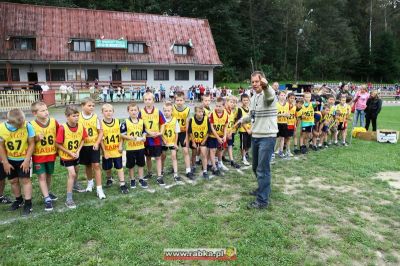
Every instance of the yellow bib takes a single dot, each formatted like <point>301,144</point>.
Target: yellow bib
<point>91,127</point>
<point>111,138</point>
<point>199,132</point>
<point>134,130</point>
<point>151,121</point>
<point>307,113</point>
<point>181,117</point>
<point>207,112</point>
<point>282,109</point>
<point>169,135</point>
<point>344,111</point>
<point>292,116</point>
<point>71,141</point>
<point>231,121</point>
<point>16,142</point>
<point>247,125</point>
<point>46,146</point>
<point>219,123</point>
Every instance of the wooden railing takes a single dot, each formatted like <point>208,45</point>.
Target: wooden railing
<point>21,99</point>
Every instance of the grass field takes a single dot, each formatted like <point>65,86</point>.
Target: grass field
<point>327,207</point>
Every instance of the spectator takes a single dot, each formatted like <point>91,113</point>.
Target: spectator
<point>374,106</point>
<point>105,93</point>
<point>360,100</point>
<point>111,92</point>
<point>63,93</point>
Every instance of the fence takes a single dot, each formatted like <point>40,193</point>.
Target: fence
<point>17,99</point>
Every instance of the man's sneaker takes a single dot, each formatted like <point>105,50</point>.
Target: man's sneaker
<point>26,210</point>
<point>216,172</point>
<point>178,179</point>
<point>133,183</point>
<point>160,181</point>
<point>205,175</point>
<point>16,204</point>
<point>143,183</point>
<point>101,194</point>
<point>148,176</point>
<point>53,197</point>
<point>123,189</point>
<point>109,182</point>
<point>190,175</point>
<point>5,200</point>
<point>245,162</point>
<point>48,206</point>
<point>89,187</point>
<point>70,204</point>
<point>223,167</point>
<point>235,165</point>
<point>78,188</point>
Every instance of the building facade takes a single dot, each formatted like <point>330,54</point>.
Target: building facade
<point>55,45</point>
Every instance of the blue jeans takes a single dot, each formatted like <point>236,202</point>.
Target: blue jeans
<point>359,115</point>
<point>262,151</point>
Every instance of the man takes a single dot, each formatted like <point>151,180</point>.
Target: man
<point>264,127</point>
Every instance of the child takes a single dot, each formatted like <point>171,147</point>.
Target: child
<point>45,152</point>
<point>324,126</point>
<point>206,100</point>
<point>16,147</point>
<point>344,111</point>
<point>181,113</point>
<point>198,130</point>
<point>299,105</point>
<point>283,114</point>
<point>154,121</point>
<point>291,123</point>
<point>190,96</point>
<point>230,108</point>
<point>69,142</point>
<point>134,135</point>
<point>218,121</point>
<point>307,122</point>
<point>331,117</point>
<point>90,153</point>
<point>112,147</point>
<point>170,139</point>
<point>244,129</point>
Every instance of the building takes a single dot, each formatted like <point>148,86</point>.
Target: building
<point>56,44</point>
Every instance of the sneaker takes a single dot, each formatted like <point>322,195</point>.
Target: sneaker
<point>224,159</point>
<point>303,149</point>
<point>216,172</point>
<point>48,206</point>
<point>205,175</point>
<point>296,151</point>
<point>101,194</point>
<point>53,197</point>
<point>329,143</point>
<point>281,155</point>
<point>235,165</point>
<point>256,205</point>
<point>223,167</point>
<point>78,188</point>
<point>345,144</point>
<point>133,183</point>
<point>209,167</point>
<point>289,154</point>
<point>16,204</point>
<point>109,182</point>
<point>178,179</point>
<point>245,162</point>
<point>314,148</point>
<point>193,170</point>
<point>198,162</point>
<point>5,200</point>
<point>148,176</point>
<point>70,204</point>
<point>336,143</point>
<point>160,181</point>
<point>190,175</point>
<point>89,187</point>
<point>27,210</point>
<point>143,183</point>
<point>123,189</point>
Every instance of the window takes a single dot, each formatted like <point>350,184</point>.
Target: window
<point>55,74</point>
<point>139,74</point>
<point>14,74</point>
<point>92,74</point>
<point>181,74</point>
<point>201,75</point>
<point>82,46</point>
<point>21,43</point>
<point>136,48</point>
<point>180,49</point>
<point>76,74</point>
<point>161,75</point>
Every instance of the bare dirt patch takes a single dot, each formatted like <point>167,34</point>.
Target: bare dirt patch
<point>393,178</point>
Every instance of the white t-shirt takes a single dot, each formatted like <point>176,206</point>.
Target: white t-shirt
<point>63,89</point>
<point>45,87</point>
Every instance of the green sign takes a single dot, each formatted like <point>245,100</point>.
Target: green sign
<point>114,44</point>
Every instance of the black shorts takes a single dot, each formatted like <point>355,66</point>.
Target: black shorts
<point>17,171</point>
<point>307,129</point>
<point>282,130</point>
<point>2,174</point>
<point>153,151</point>
<point>68,163</point>
<point>231,141</point>
<point>181,139</point>
<point>342,126</point>
<point>290,133</point>
<point>107,164</point>
<point>245,140</point>
<point>87,156</point>
<point>166,148</point>
<point>325,128</point>
<point>134,158</point>
<point>212,143</point>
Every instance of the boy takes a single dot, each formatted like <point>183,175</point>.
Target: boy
<point>206,100</point>
<point>307,122</point>
<point>283,114</point>
<point>218,121</point>
<point>112,147</point>
<point>230,108</point>
<point>324,126</point>
<point>69,142</point>
<point>170,139</point>
<point>16,147</point>
<point>244,129</point>
<point>331,118</point>
<point>90,153</point>
<point>291,123</point>
<point>344,111</point>
<point>198,130</point>
<point>45,152</point>
<point>154,124</point>
<point>181,113</point>
<point>299,105</point>
<point>134,135</point>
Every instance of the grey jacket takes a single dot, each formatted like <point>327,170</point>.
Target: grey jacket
<point>264,122</point>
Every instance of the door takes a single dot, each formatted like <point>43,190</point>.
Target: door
<point>116,77</point>
<point>32,78</point>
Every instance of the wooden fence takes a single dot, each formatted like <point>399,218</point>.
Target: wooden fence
<point>17,99</point>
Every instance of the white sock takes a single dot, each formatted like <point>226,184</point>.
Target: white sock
<point>188,170</point>
<point>90,182</point>
<point>220,163</point>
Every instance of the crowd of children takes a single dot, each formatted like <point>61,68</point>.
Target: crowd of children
<point>150,134</point>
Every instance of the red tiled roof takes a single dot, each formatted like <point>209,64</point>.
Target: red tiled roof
<point>53,27</point>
